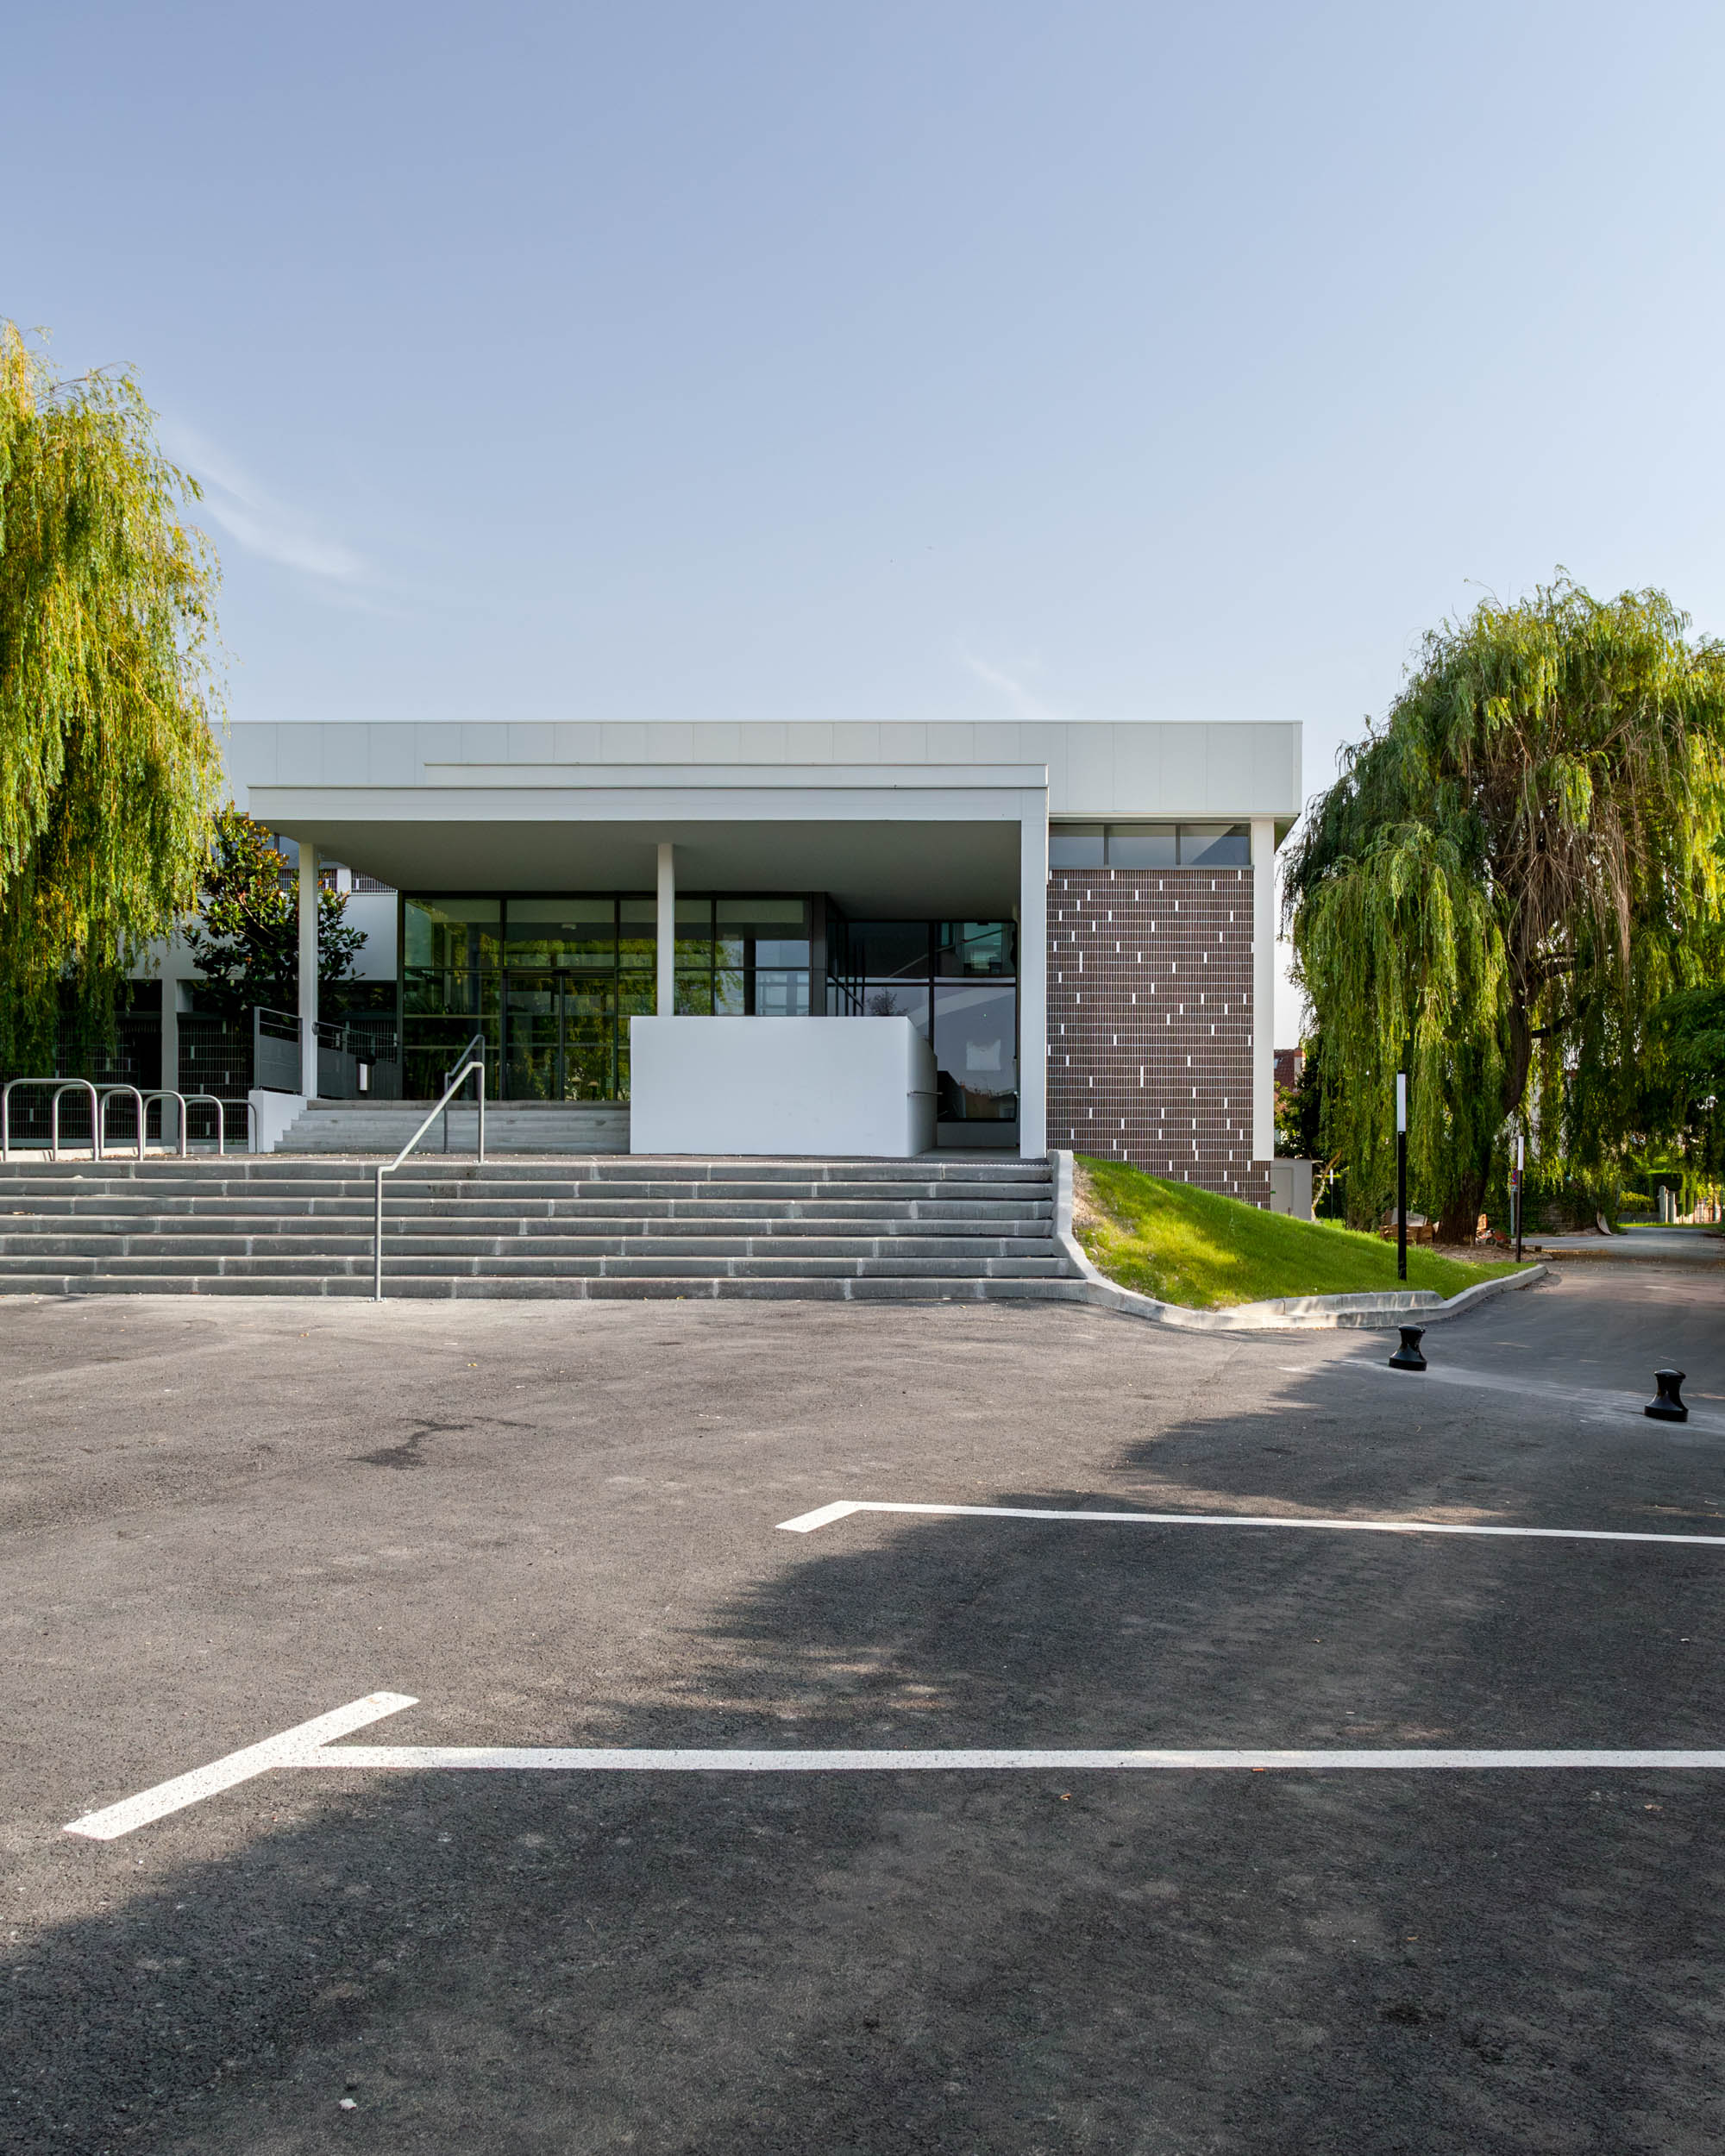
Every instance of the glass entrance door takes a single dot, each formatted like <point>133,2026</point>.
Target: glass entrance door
<point>561,1037</point>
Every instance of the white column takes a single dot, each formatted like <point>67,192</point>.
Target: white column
<point>1263,988</point>
<point>1033,977</point>
<point>665,1003</point>
<point>308,969</point>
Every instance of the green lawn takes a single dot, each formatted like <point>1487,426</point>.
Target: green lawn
<point>1187,1245</point>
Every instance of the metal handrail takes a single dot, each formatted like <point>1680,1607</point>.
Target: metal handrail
<point>105,1093</point>
<point>60,1086</point>
<point>472,1058</point>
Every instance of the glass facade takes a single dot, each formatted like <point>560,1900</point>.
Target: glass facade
<point>551,982</point>
<point>957,983</point>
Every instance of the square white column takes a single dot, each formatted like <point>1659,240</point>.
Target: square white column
<point>666,1002</point>
<point>309,865</point>
<point>1263,988</point>
<point>1033,977</point>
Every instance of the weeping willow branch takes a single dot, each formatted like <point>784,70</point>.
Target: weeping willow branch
<point>108,774</point>
<point>1529,848</point>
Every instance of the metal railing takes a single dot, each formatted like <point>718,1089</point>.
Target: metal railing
<point>471,1061</point>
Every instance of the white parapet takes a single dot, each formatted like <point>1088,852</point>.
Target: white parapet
<point>832,1087</point>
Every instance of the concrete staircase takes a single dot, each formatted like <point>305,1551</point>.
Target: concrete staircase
<point>931,1229</point>
<point>532,1127</point>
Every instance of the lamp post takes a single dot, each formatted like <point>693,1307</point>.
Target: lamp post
<point>1401,1174</point>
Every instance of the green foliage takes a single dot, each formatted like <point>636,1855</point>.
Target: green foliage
<point>1299,1111</point>
<point>247,941</point>
<point>1509,874</point>
<point>108,771</point>
<point>1186,1245</point>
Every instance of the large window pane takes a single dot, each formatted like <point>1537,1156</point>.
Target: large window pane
<point>781,993</point>
<point>534,1061</point>
<point>589,1037</point>
<point>776,929</point>
<point>634,1000</point>
<point>974,1049</point>
<point>431,1047</point>
<point>1215,846</point>
<point>975,948</point>
<point>429,993</point>
<point>561,932</point>
<point>1142,846</point>
<point>890,951</point>
<point>1074,846</point>
<point>898,999</point>
<point>452,931</point>
<point>638,933</point>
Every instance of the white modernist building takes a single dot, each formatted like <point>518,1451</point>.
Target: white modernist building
<point>1013,934</point>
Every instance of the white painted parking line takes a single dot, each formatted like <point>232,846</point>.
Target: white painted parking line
<point>530,1759</point>
<point>807,1522</point>
<point>309,1746</point>
<point>287,1750</point>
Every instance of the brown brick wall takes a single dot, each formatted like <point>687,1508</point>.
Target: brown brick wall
<point>1149,1022</point>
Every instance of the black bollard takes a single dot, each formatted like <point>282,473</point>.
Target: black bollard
<point>1407,1355</point>
<point>1667,1405</point>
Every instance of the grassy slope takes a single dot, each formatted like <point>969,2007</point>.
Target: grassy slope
<point>1187,1245</point>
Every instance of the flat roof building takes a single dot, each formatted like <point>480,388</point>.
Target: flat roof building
<point>1005,936</point>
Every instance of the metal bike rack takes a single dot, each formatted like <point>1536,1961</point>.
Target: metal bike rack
<point>105,1093</point>
<point>60,1086</point>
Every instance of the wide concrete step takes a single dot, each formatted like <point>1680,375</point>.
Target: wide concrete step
<point>402,1264</point>
<point>529,1287</point>
<point>350,1127</point>
<point>1023,1204</point>
<point>194,1241</point>
<point>248,1171</point>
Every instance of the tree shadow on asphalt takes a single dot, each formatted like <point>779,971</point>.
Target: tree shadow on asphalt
<point>864,1964</point>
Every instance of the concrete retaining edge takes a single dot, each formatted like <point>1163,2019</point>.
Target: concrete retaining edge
<point>1379,1311</point>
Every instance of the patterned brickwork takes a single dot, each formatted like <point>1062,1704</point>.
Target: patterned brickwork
<point>1149,1022</point>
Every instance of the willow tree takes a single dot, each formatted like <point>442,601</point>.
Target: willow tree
<point>1523,857</point>
<point>109,774</point>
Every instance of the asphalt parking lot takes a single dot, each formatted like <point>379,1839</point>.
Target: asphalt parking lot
<point>560,1525</point>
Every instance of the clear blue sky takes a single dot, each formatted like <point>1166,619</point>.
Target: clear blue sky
<point>909,361</point>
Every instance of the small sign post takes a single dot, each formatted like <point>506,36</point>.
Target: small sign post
<point>1515,1195</point>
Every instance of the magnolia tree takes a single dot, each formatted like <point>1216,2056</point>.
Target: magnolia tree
<point>108,775</point>
<point>1509,875</point>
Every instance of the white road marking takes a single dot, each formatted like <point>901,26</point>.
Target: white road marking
<point>511,1759</point>
<point>309,1746</point>
<point>287,1750</point>
<point>805,1523</point>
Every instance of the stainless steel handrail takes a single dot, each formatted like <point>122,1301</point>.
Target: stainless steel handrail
<point>60,1086</point>
<point>472,1059</point>
<point>105,1095</point>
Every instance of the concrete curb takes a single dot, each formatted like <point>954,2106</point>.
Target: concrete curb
<point>1380,1311</point>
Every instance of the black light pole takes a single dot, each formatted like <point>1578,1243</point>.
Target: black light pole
<point>1401,1174</point>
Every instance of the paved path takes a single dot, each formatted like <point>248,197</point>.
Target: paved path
<point>561,1529</point>
<point>1650,1244</point>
